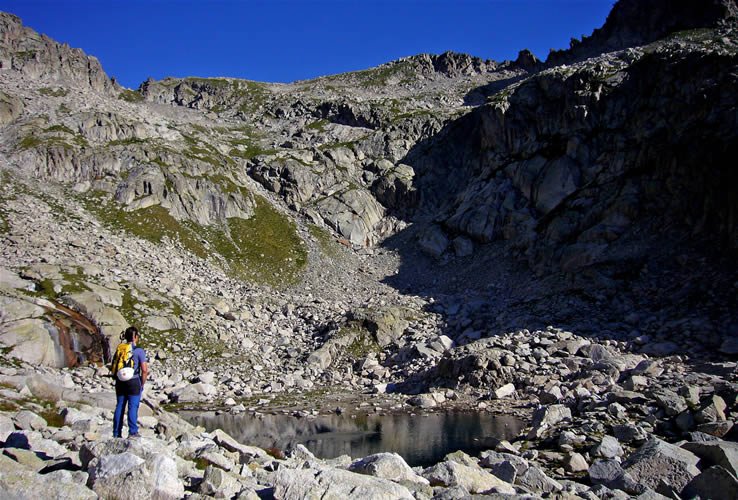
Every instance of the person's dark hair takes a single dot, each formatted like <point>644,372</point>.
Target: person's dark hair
<point>130,332</point>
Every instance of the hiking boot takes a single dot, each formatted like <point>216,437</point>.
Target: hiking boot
<point>134,436</point>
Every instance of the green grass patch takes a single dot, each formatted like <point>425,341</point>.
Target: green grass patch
<point>247,147</point>
<point>26,55</point>
<point>201,463</point>
<point>128,309</point>
<point>251,152</point>
<point>227,185</point>
<point>336,145</point>
<point>160,339</point>
<point>151,223</point>
<point>30,142</point>
<point>9,406</point>
<point>318,125</point>
<point>265,248</point>
<point>127,142</point>
<point>327,243</point>
<point>381,76</point>
<point>215,83</point>
<point>68,284</point>
<point>500,97</point>
<point>60,128</point>
<point>693,35</point>
<point>51,415</point>
<point>6,360</point>
<point>131,96</point>
<point>252,94</point>
<point>41,407</point>
<point>34,141</point>
<point>48,91</point>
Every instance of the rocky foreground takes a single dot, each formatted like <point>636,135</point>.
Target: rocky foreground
<point>607,419</point>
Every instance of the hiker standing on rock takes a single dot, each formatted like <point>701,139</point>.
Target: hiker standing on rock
<point>131,370</point>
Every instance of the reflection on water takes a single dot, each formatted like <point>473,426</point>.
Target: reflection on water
<point>421,440</point>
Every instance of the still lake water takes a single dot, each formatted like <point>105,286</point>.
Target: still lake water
<point>420,440</point>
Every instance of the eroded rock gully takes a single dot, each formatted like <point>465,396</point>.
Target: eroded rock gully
<point>382,241</point>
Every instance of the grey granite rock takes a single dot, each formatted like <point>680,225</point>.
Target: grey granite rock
<point>713,482</point>
<point>657,464</point>
<point>387,466</point>
<point>333,484</point>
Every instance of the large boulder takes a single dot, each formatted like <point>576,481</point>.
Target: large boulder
<point>123,475</point>
<point>246,453</point>
<point>7,427</point>
<point>110,321</point>
<point>658,464</point>
<point>547,417</point>
<point>333,484</point>
<point>472,479</point>
<point>34,441</point>
<point>714,482</point>
<point>144,448</point>
<point>142,470</point>
<point>387,466</point>
<point>386,324</point>
<point>534,479</point>
<point>219,484</point>
<point>433,241</point>
<point>394,189</point>
<point>353,213</point>
<point>32,341</point>
<point>8,278</point>
<point>17,483</point>
<point>722,453</point>
<point>193,393</point>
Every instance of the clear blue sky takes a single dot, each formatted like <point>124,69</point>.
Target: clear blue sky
<point>287,40</point>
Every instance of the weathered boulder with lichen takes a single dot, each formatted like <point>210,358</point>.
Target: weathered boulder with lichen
<point>386,324</point>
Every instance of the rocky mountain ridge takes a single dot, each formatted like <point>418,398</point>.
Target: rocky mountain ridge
<point>39,57</point>
<point>470,233</point>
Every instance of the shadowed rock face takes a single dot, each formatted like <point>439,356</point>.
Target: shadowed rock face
<point>632,23</point>
<point>574,158</point>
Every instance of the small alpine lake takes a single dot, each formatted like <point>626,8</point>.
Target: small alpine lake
<point>419,439</point>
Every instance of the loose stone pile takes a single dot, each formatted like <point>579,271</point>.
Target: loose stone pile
<point>56,444</point>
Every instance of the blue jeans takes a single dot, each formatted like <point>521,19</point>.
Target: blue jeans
<point>120,409</point>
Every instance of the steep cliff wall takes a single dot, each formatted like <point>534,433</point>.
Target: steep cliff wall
<point>39,57</point>
<point>564,163</point>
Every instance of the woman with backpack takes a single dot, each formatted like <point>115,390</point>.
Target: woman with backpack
<point>130,369</point>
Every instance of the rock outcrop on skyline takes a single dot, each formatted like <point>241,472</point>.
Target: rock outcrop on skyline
<point>553,239</point>
<point>38,57</point>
